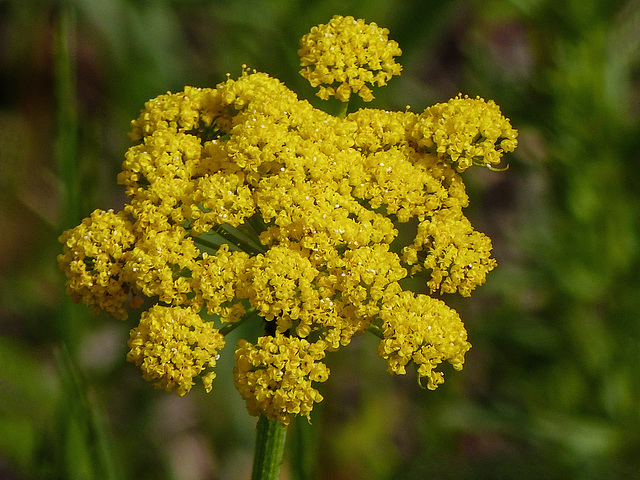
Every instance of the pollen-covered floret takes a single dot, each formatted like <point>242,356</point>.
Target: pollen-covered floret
<point>160,264</point>
<point>281,286</point>
<point>345,55</point>
<point>275,376</point>
<point>172,345</point>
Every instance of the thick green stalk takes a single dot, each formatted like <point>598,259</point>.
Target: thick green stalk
<point>269,449</point>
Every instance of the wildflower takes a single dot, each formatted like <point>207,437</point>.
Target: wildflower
<point>345,55</point>
<point>215,281</point>
<point>247,203</point>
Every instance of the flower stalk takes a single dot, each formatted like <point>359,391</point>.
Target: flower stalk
<point>343,108</point>
<point>269,449</point>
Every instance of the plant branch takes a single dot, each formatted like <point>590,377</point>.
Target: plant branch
<point>269,449</point>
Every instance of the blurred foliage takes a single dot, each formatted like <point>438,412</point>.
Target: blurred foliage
<point>550,389</point>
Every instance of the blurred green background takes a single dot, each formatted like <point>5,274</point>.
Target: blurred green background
<point>551,388</point>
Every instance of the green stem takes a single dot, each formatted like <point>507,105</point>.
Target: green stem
<point>256,224</point>
<point>66,147</point>
<point>234,236</point>
<point>376,331</point>
<point>342,109</point>
<point>206,243</point>
<point>227,233</point>
<point>84,433</point>
<point>269,449</point>
<point>232,326</point>
<point>66,150</point>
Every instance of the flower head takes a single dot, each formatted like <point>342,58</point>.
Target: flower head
<point>466,131</point>
<point>424,331</point>
<point>345,55</point>
<point>275,376</point>
<point>172,345</point>
<point>456,257</point>
<point>248,204</point>
<point>94,259</point>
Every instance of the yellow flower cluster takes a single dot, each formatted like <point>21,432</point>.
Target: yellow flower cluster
<point>466,131</point>
<point>94,259</point>
<point>457,255</point>
<point>422,330</point>
<point>345,55</point>
<point>248,204</point>
<point>172,345</point>
<point>274,376</point>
